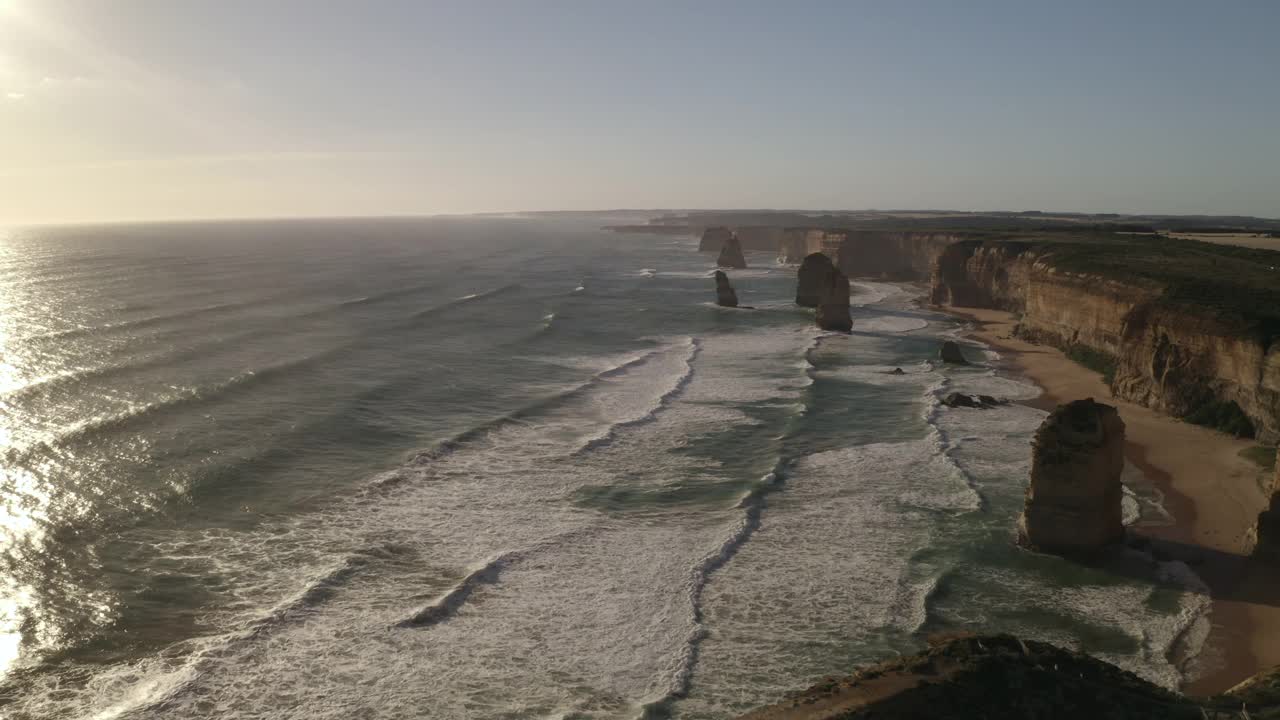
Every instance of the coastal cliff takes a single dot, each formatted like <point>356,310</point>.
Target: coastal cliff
<point>1186,346</point>
<point>1187,328</point>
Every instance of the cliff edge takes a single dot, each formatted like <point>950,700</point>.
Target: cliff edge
<point>1187,328</point>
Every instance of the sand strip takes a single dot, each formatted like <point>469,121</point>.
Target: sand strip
<point>1212,492</point>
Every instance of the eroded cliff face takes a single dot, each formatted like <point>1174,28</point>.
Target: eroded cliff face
<point>891,255</point>
<point>799,243</point>
<point>1179,361</point>
<point>759,237</point>
<point>1174,358</point>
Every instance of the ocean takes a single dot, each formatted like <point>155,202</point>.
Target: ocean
<point>499,467</point>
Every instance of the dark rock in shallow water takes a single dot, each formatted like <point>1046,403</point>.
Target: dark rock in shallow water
<point>951,354</point>
<point>833,308</point>
<point>979,402</point>
<point>731,254</point>
<point>1073,501</point>
<point>959,400</point>
<point>1001,676</point>
<point>813,270</point>
<point>725,296</point>
<point>897,371</point>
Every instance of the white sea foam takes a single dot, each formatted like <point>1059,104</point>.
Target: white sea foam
<point>828,570</point>
<point>477,583</point>
<point>551,564</point>
<point>889,324</point>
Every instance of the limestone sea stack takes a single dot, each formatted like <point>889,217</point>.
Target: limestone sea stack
<point>951,354</point>
<point>1073,502</point>
<point>725,296</point>
<point>731,254</point>
<point>813,270</point>
<point>833,306</point>
<point>714,238</point>
<point>1265,537</point>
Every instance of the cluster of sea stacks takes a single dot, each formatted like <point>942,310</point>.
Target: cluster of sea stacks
<point>1073,500</point>
<point>1188,328</point>
<point>819,285</point>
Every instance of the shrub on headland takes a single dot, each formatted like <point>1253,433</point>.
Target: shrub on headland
<point>1225,417</point>
<point>1096,360</point>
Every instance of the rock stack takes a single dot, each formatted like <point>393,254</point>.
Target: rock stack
<point>714,238</point>
<point>1265,537</point>
<point>731,254</point>
<point>1073,501</point>
<point>813,270</point>
<point>951,354</point>
<point>725,296</point>
<point>833,304</point>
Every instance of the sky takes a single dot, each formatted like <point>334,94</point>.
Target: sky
<point>116,110</point>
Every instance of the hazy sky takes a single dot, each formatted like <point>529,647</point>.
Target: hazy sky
<point>123,109</point>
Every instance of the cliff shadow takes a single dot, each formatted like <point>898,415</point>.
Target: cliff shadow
<point>1225,576</point>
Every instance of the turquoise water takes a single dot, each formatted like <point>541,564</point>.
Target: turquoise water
<point>494,467</point>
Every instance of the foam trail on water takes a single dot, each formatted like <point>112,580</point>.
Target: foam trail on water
<point>678,384</point>
<point>446,605</point>
<point>464,300</point>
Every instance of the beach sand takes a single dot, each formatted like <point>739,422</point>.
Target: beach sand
<point>1212,492</point>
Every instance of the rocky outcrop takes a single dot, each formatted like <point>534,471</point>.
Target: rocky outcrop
<point>833,303</point>
<point>1000,676</point>
<point>731,254</point>
<point>1073,501</point>
<point>977,402</point>
<point>725,296</point>
<point>714,239</point>
<point>810,277</point>
<point>1264,539</point>
<point>950,354</point>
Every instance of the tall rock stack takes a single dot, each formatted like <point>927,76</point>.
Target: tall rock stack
<point>731,254</point>
<point>725,296</point>
<point>1073,501</point>
<point>833,305</point>
<point>813,271</point>
<point>1265,537</point>
<point>714,238</point>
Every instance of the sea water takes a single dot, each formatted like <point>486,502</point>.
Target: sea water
<point>498,467</point>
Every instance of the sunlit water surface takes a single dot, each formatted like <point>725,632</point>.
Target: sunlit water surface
<point>494,468</point>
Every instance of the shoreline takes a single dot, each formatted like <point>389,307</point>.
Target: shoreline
<point>1212,493</point>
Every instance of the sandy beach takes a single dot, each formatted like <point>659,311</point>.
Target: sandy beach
<point>1212,492</point>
